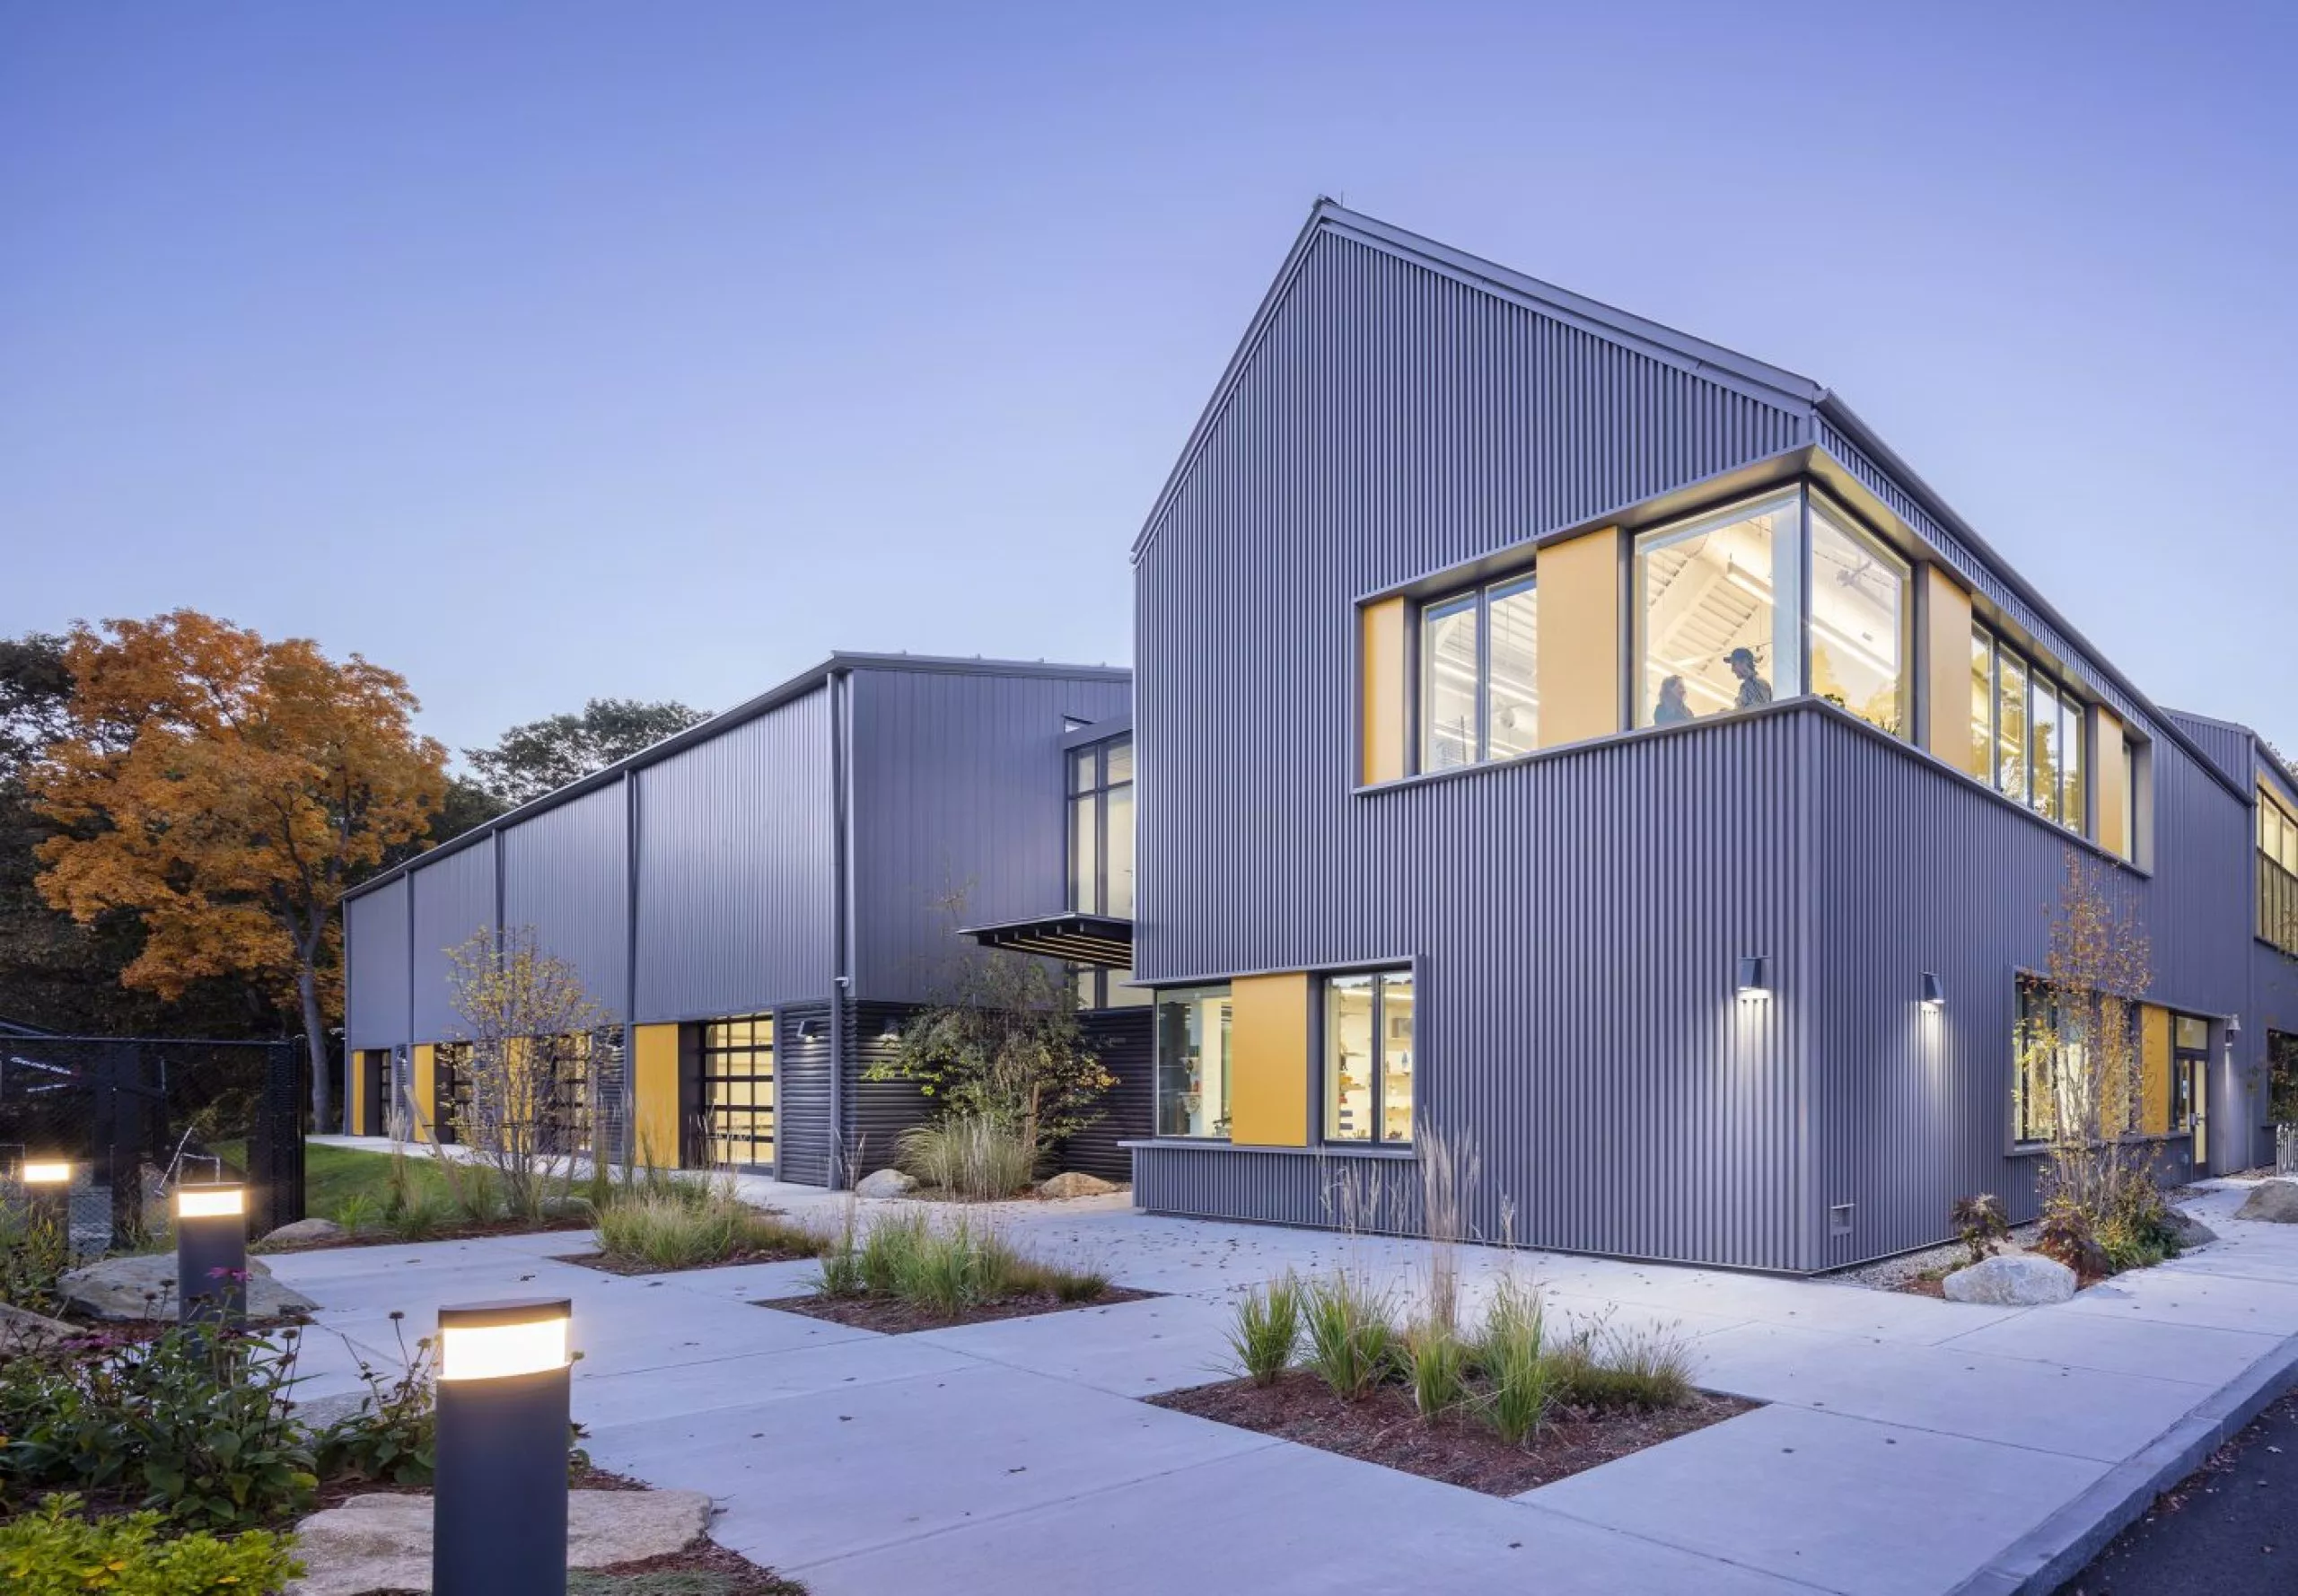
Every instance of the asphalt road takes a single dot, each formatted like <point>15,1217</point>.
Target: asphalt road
<point>2230,1529</point>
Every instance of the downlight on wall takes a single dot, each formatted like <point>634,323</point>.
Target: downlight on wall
<point>1754,979</point>
<point>1934,992</point>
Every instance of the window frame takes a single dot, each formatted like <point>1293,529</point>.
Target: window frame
<point>1192,992</point>
<point>1475,601</point>
<point>2074,712</point>
<point>1816,503</point>
<point>2277,888</point>
<point>1321,1042</point>
<point>1097,789</point>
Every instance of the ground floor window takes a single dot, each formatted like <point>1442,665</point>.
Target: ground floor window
<point>450,1089</point>
<point>1099,989</point>
<point>1368,1057</point>
<point>735,1074</point>
<point>2282,1076</point>
<point>1193,1027</point>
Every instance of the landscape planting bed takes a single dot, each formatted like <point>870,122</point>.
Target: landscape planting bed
<point>1384,1427</point>
<point>891,1316</point>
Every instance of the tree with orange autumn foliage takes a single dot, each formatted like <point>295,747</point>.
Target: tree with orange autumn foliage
<point>227,791</point>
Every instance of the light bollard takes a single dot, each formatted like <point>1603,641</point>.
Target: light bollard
<point>47,1187</point>
<point>498,1498</point>
<point>211,1254</point>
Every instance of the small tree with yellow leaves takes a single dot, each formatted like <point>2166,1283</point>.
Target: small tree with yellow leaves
<point>528,1023</point>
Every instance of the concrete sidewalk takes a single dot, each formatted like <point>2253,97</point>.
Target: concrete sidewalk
<point>1909,1444</point>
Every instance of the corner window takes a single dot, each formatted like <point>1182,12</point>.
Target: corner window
<point>1100,829</point>
<point>1716,613</point>
<point>1193,1025</point>
<point>2031,747</point>
<point>1368,1057</point>
<point>2277,874</point>
<point>1859,621</point>
<point>1480,684</point>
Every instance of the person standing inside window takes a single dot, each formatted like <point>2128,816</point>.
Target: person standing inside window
<point>1754,692</point>
<point>1673,709</point>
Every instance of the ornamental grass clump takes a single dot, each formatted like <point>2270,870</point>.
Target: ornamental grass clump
<point>1267,1330</point>
<point>945,1269</point>
<point>1511,1357</point>
<point>974,1156</point>
<point>689,1224</point>
<point>1435,1365</point>
<point>1352,1334</point>
<point>1601,1366</point>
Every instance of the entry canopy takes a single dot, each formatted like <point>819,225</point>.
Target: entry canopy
<point>1082,939</point>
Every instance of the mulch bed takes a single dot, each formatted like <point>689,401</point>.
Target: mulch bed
<point>736,1574</point>
<point>606,1263</point>
<point>1935,1286</point>
<point>1383,1428</point>
<point>893,1317</point>
<point>447,1232</point>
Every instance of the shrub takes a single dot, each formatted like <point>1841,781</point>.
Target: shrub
<point>393,1437</point>
<point>1352,1338</point>
<point>1510,1355</point>
<point>194,1423</point>
<point>1980,1225</point>
<point>55,1552</point>
<point>1436,1364</point>
<point>35,1250</point>
<point>1267,1330</point>
<point>2066,1234</point>
<point>974,1156</point>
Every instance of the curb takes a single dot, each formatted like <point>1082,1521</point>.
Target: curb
<point>2048,1555</point>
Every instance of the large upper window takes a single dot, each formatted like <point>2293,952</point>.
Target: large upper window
<point>2030,749</point>
<point>2277,874</point>
<point>1859,614</point>
<point>1193,1024</point>
<point>1368,1057</point>
<point>1716,613</point>
<point>1100,829</point>
<point>1479,687</point>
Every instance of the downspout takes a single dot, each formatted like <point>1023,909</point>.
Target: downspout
<point>841,768</point>
<point>629,1139</point>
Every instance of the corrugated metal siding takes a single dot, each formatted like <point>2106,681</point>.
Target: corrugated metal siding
<point>2233,748</point>
<point>958,788</point>
<point>564,875</point>
<point>1918,870</point>
<point>374,961</point>
<point>1577,917</point>
<point>453,899</point>
<point>877,1111</point>
<point>1125,1042</point>
<point>735,870</point>
<point>1383,1195</point>
<point>801,1082</point>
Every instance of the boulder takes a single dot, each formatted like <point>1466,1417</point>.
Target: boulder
<point>144,1287</point>
<point>1072,1183</point>
<point>382,1542</point>
<point>23,1331</point>
<point>305,1232</point>
<point>2012,1280</point>
<point>886,1183</point>
<point>2274,1201</point>
<point>2191,1232</point>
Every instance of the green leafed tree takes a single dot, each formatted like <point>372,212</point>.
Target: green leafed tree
<point>543,756</point>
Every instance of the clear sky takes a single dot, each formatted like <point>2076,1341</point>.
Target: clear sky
<point>551,350</point>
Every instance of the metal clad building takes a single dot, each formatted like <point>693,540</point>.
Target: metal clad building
<point>1738,990</point>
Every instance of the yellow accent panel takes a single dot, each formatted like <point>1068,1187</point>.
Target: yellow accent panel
<point>1383,628</point>
<point>2153,1070</point>
<point>1268,1061</point>
<point>360,1086</point>
<point>655,1078</point>
<point>1579,641</point>
<point>2113,780</point>
<point>1947,669</point>
<point>423,1068</point>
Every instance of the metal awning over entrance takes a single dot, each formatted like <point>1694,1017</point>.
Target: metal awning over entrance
<point>1099,940</point>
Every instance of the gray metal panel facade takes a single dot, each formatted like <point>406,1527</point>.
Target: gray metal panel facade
<point>375,962</point>
<point>564,874</point>
<point>735,869</point>
<point>2233,748</point>
<point>957,787</point>
<point>801,1090</point>
<point>453,899</point>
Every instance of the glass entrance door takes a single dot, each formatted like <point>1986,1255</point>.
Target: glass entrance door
<point>2190,1103</point>
<point>737,1081</point>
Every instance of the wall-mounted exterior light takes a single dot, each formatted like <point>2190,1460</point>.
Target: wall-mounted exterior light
<point>211,1254</point>
<point>498,1501</point>
<point>810,1030</point>
<point>890,1031</point>
<point>1934,992</point>
<point>2233,1026</point>
<point>45,1171</point>
<point>1754,979</point>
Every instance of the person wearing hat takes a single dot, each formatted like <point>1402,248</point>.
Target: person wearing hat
<point>1754,690</point>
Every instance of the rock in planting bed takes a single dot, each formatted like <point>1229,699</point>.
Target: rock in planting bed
<point>1383,1428</point>
<point>892,1316</point>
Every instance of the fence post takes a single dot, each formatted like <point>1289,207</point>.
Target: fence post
<point>278,1150</point>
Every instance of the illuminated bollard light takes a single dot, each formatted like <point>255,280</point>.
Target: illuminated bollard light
<point>498,1499</point>
<point>211,1254</point>
<point>47,1190</point>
